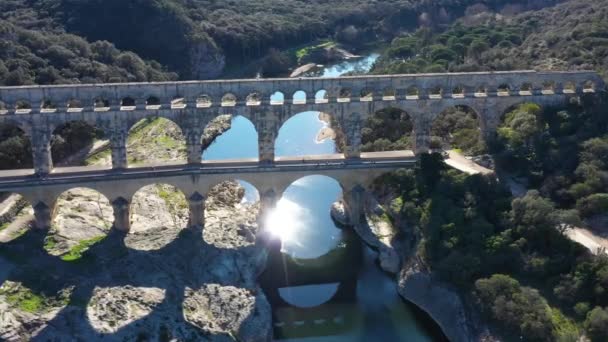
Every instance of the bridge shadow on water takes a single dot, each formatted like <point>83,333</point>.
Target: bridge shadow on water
<point>188,262</point>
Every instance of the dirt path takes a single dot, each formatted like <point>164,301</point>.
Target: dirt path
<point>585,237</point>
<point>460,162</point>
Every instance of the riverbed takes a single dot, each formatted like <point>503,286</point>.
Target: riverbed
<point>323,282</point>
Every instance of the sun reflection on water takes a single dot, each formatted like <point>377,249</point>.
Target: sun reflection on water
<point>287,221</point>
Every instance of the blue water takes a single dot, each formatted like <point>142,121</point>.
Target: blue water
<point>302,220</point>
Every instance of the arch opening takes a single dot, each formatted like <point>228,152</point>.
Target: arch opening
<point>82,218</point>
<point>277,98</point>
<point>389,129</point>
<point>389,94</point>
<point>239,198</point>
<point>75,105</point>
<point>302,218</point>
<point>23,107</point>
<point>3,107</point>
<point>569,88</point>
<point>204,101</point>
<point>48,106</point>
<point>299,97</point>
<point>503,90</point>
<point>367,95</point>
<point>229,137</point>
<point>16,147</point>
<point>589,87</point>
<point>412,93</point>
<point>526,89</point>
<point>457,128</point>
<point>253,99</point>
<point>156,140</point>
<point>101,104</point>
<point>321,96</point>
<point>153,103</point>
<point>228,100</point>
<point>159,210</point>
<point>458,92</point>
<point>548,88</point>
<point>344,95</point>
<point>74,142</point>
<point>435,93</point>
<point>127,103</point>
<point>306,134</point>
<point>178,102</point>
<point>481,91</point>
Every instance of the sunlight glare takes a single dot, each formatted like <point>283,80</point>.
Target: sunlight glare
<point>286,221</point>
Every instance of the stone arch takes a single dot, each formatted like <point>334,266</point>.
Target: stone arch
<point>3,107</point>
<point>80,217</point>
<point>48,105</point>
<point>344,95</point>
<point>156,140</point>
<point>322,96</point>
<point>253,99</point>
<point>14,133</point>
<point>229,100</point>
<point>153,102</point>
<point>589,86</point>
<point>178,102</point>
<point>412,93</point>
<point>158,209</point>
<point>569,87</point>
<point>435,92</point>
<point>300,222</point>
<point>388,129</point>
<point>23,107</point>
<point>459,91</point>
<point>548,87</point>
<point>366,95</point>
<point>74,105</point>
<point>481,91</point>
<point>458,127</point>
<point>127,103</point>
<point>72,140</point>
<point>204,101</point>
<point>101,104</point>
<point>389,94</point>
<point>299,97</point>
<point>240,141</point>
<point>503,90</point>
<point>311,131</point>
<point>277,98</point>
<point>526,89</point>
<point>231,195</point>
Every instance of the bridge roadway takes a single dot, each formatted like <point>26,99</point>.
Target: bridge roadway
<point>195,181</point>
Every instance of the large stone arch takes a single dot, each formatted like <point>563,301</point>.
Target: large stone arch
<point>161,210</point>
<point>459,115</point>
<point>210,132</point>
<point>409,117</point>
<point>84,131</point>
<point>15,129</point>
<point>174,147</point>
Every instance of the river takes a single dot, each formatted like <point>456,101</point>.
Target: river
<point>341,294</point>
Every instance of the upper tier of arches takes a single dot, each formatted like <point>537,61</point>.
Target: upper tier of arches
<point>276,92</point>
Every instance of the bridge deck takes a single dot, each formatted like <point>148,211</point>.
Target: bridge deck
<point>373,160</point>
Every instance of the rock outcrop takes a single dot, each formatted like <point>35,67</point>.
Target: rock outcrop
<point>438,300</point>
<point>206,61</point>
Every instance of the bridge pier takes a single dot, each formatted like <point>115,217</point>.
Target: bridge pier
<point>196,220</point>
<point>43,215</point>
<point>41,149</point>
<point>118,143</point>
<point>194,146</point>
<point>354,203</point>
<point>266,142</point>
<point>352,130</point>
<point>122,219</point>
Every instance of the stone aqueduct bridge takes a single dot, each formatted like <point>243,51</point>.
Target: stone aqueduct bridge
<point>115,108</point>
